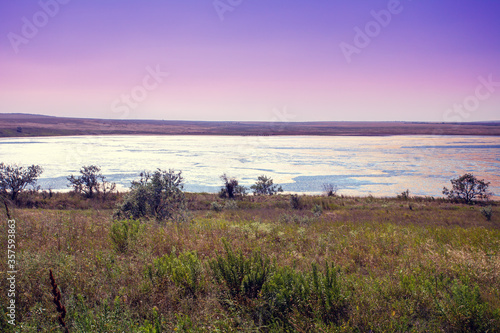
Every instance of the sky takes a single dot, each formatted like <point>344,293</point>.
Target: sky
<point>252,60</point>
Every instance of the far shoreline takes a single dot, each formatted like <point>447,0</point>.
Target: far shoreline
<point>28,125</point>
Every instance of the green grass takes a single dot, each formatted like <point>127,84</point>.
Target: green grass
<point>359,265</point>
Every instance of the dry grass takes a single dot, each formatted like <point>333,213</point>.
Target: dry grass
<point>402,269</point>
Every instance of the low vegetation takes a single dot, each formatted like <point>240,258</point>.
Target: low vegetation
<point>333,264</point>
<point>157,259</point>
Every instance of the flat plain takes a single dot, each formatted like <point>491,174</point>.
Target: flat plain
<point>25,125</point>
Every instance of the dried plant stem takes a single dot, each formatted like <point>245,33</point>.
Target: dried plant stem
<point>6,209</point>
<point>57,301</point>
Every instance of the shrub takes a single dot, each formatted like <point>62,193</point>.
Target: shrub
<point>91,182</point>
<point>487,212</point>
<point>158,195</point>
<point>15,179</point>
<point>467,188</point>
<point>231,204</point>
<point>318,295</point>
<point>327,294</point>
<point>330,189</point>
<point>184,271</point>
<point>264,186</point>
<point>405,195</point>
<point>184,324</point>
<point>302,220</point>
<point>464,310</point>
<point>216,207</point>
<point>231,188</point>
<point>317,210</point>
<point>123,233</point>
<point>285,290</point>
<point>295,201</point>
<point>154,326</point>
<point>241,276</point>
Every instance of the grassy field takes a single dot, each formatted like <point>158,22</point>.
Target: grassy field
<point>335,264</point>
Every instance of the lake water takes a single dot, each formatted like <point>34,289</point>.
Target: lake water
<point>381,166</point>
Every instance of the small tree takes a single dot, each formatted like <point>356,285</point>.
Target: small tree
<point>158,194</point>
<point>330,189</point>
<point>15,179</point>
<point>231,187</point>
<point>91,182</point>
<point>295,201</point>
<point>264,185</point>
<point>467,188</point>
<point>405,195</point>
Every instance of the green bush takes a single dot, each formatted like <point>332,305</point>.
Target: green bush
<point>184,270</point>
<point>317,295</point>
<point>241,276</point>
<point>293,218</point>
<point>231,204</point>
<point>184,324</point>
<point>216,207</point>
<point>154,326</point>
<point>265,186</point>
<point>487,212</point>
<point>327,295</point>
<point>285,290</point>
<point>124,233</point>
<point>464,310</point>
<point>317,210</point>
<point>270,295</point>
<point>158,195</point>
<point>87,316</point>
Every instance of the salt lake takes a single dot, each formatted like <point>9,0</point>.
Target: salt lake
<point>380,166</point>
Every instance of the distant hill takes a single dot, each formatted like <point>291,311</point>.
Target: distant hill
<point>26,125</point>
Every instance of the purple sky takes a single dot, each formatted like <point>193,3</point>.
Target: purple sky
<point>253,60</point>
